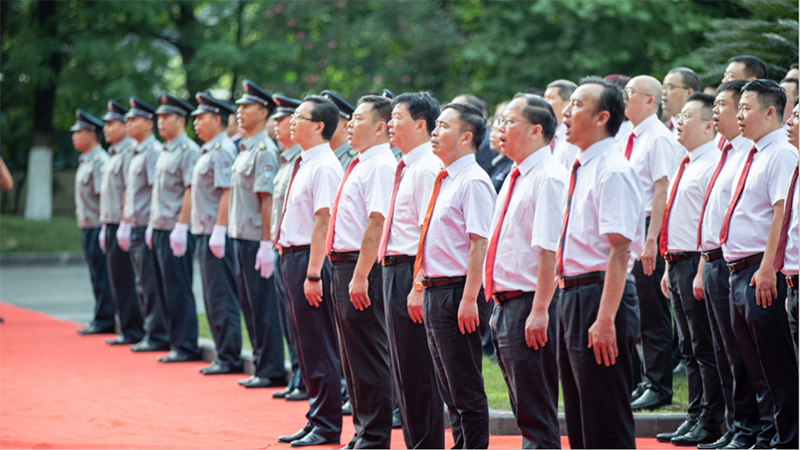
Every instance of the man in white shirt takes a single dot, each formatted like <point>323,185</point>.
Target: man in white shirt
<point>557,94</point>
<point>745,67</point>
<point>679,84</point>
<point>413,118</point>
<point>654,155</point>
<point>749,236</point>
<point>601,237</point>
<point>678,245</point>
<point>449,260</point>
<point>519,268</point>
<point>790,263</point>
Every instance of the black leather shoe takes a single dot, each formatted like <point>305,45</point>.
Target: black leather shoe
<point>698,435</point>
<point>649,400</point>
<point>313,439</point>
<point>291,438</point>
<point>297,395</point>
<point>738,443</point>
<point>352,443</point>
<point>122,340</point>
<point>680,369</point>
<point>719,443</point>
<point>638,393</point>
<point>347,410</point>
<point>175,356</point>
<point>91,329</point>
<point>684,428</point>
<point>146,345</point>
<point>218,368</point>
<point>258,382</point>
<point>283,392</point>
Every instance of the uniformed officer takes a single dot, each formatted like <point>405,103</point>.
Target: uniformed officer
<point>341,148</point>
<point>295,390</point>
<point>211,179</point>
<point>135,217</point>
<point>307,273</point>
<point>112,193</point>
<point>88,178</point>
<point>170,239</point>
<point>251,213</point>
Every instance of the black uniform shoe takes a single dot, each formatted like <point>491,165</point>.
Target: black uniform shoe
<point>220,368</point>
<point>283,392</point>
<point>122,340</point>
<point>347,410</point>
<point>291,438</point>
<point>738,443</point>
<point>91,329</point>
<point>650,400</point>
<point>698,435</point>
<point>352,443</point>
<point>313,439</point>
<point>259,382</point>
<point>175,356</point>
<point>719,443</point>
<point>297,395</point>
<point>638,392</point>
<point>146,345</point>
<point>684,428</point>
<point>680,369</point>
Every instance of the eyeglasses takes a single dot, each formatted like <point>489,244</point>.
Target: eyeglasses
<point>632,91</point>
<point>684,117</point>
<point>502,121</point>
<point>297,118</point>
<point>671,87</point>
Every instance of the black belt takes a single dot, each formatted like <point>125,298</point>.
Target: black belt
<point>679,256</point>
<point>396,259</point>
<point>335,257</point>
<point>744,263</point>
<point>791,281</point>
<point>293,249</point>
<point>712,255</point>
<point>581,280</point>
<point>501,297</point>
<point>441,281</point>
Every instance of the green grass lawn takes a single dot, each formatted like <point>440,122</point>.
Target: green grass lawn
<point>18,235</point>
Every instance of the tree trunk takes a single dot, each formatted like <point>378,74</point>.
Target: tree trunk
<point>239,25</point>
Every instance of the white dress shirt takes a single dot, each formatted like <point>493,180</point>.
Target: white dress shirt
<point>655,155</point>
<point>313,189</point>
<point>607,199</point>
<point>532,222</point>
<point>563,151</point>
<point>721,193</point>
<point>621,138</point>
<point>411,202</point>
<point>685,212</point>
<point>464,205</point>
<point>765,185</point>
<point>368,189</point>
<point>790,258</point>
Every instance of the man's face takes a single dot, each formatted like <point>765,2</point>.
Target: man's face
<point>791,131</point>
<point>692,128</point>
<point>170,126</point>
<point>206,126</point>
<point>793,73</point>
<point>734,71</point>
<point>447,137</point>
<point>790,89</point>
<point>516,133</point>
<point>362,131</point>
<point>114,131</point>
<point>753,120</point>
<point>270,126</point>
<point>579,115</point>
<point>302,128</point>
<point>403,128</point>
<point>725,111</point>
<point>283,131</point>
<point>138,127</point>
<point>249,116</point>
<point>674,94</point>
<point>554,98</point>
<point>639,101</point>
<point>83,140</point>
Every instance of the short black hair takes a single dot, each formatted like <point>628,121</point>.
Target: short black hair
<point>791,80</point>
<point>324,111</point>
<point>706,101</point>
<point>472,120</point>
<point>381,107</point>
<point>610,100</point>
<point>421,105</point>
<point>769,92</point>
<point>753,67</point>
<point>734,86</point>
<point>688,78</point>
<point>565,88</point>
<point>475,101</point>
<point>539,112</point>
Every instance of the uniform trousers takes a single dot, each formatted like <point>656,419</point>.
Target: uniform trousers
<point>98,274</point>
<point>414,375</point>
<point>296,381</point>
<point>531,375</point>
<point>694,338</point>
<point>766,345</point>
<point>146,283</point>
<point>742,416</point>
<point>175,296</point>
<point>458,360</point>
<point>221,301</point>
<point>791,299</point>
<point>364,347</point>
<point>123,288</point>
<point>596,398</point>
<point>259,304</point>
<point>314,334</point>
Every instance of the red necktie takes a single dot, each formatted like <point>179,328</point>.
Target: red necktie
<point>662,242</point>
<point>721,143</point>
<point>560,249</point>
<point>335,209</point>
<point>492,250</point>
<point>711,183</point>
<point>787,217</point>
<point>723,232</point>
<point>387,225</point>
<point>552,144</point>
<point>670,125</point>
<point>436,186</point>
<point>629,148</point>
<point>297,162</point>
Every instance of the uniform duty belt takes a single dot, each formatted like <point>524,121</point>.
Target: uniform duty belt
<point>679,256</point>
<point>501,297</point>
<point>293,249</point>
<point>744,263</point>
<point>336,257</point>
<point>712,255</point>
<point>581,280</point>
<point>441,281</point>
<point>791,281</point>
<point>396,259</point>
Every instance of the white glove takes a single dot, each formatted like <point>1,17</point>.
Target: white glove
<point>177,239</point>
<point>217,241</point>
<point>148,237</point>
<point>101,238</point>
<point>124,236</point>
<point>265,259</point>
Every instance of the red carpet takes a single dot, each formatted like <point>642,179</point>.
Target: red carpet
<point>62,390</point>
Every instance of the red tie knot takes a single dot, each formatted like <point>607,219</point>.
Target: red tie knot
<point>576,164</point>
<point>441,176</point>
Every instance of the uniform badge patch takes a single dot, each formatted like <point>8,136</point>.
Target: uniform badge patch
<point>216,146</point>
<point>352,152</point>
<point>226,168</point>
<point>269,171</point>
<point>262,146</point>
<point>185,146</point>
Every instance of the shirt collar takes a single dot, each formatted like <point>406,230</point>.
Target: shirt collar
<point>533,159</point>
<point>460,164</point>
<point>702,150</point>
<point>740,142</point>
<point>316,151</point>
<point>86,157</point>
<point>215,141</point>
<point>769,139</point>
<point>374,151</point>
<point>291,153</point>
<point>561,130</point>
<point>647,123</point>
<point>598,148</point>
<point>248,143</point>
<point>145,144</point>
<point>120,146</point>
<point>417,153</point>
<point>176,143</point>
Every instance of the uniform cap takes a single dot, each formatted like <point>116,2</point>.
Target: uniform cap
<point>169,104</point>
<point>86,121</point>
<point>116,111</point>
<point>345,109</point>
<point>254,94</point>
<point>286,106</point>
<point>206,103</point>
<point>388,94</point>
<point>140,108</point>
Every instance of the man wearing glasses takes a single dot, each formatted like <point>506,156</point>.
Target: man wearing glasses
<point>679,84</point>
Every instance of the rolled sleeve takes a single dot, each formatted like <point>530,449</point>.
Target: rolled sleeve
<point>266,167</point>
<point>478,202</point>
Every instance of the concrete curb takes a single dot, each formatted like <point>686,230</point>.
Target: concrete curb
<point>41,259</point>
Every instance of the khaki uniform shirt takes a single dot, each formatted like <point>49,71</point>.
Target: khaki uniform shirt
<point>88,179</point>
<point>253,173</point>
<point>173,175</point>
<point>115,174</point>
<point>211,175</point>
<point>345,154</point>
<point>139,183</point>
<point>282,180</point>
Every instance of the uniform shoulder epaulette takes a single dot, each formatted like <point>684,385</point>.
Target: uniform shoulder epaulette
<point>216,146</point>
<point>149,146</point>
<point>185,146</point>
<point>352,152</point>
<point>262,146</point>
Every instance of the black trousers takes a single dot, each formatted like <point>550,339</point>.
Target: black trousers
<point>175,296</point>
<point>296,381</point>
<point>421,406</point>
<point>695,341</point>
<point>123,288</point>
<point>364,346</point>
<point>259,304</point>
<point>314,333</point>
<point>98,274</point>
<point>221,302</point>
<point>596,398</point>
<point>531,375</point>
<point>791,298</point>
<point>458,359</point>
<point>146,283</point>
<point>766,345</point>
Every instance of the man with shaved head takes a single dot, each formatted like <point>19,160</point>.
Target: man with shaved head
<point>654,155</point>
